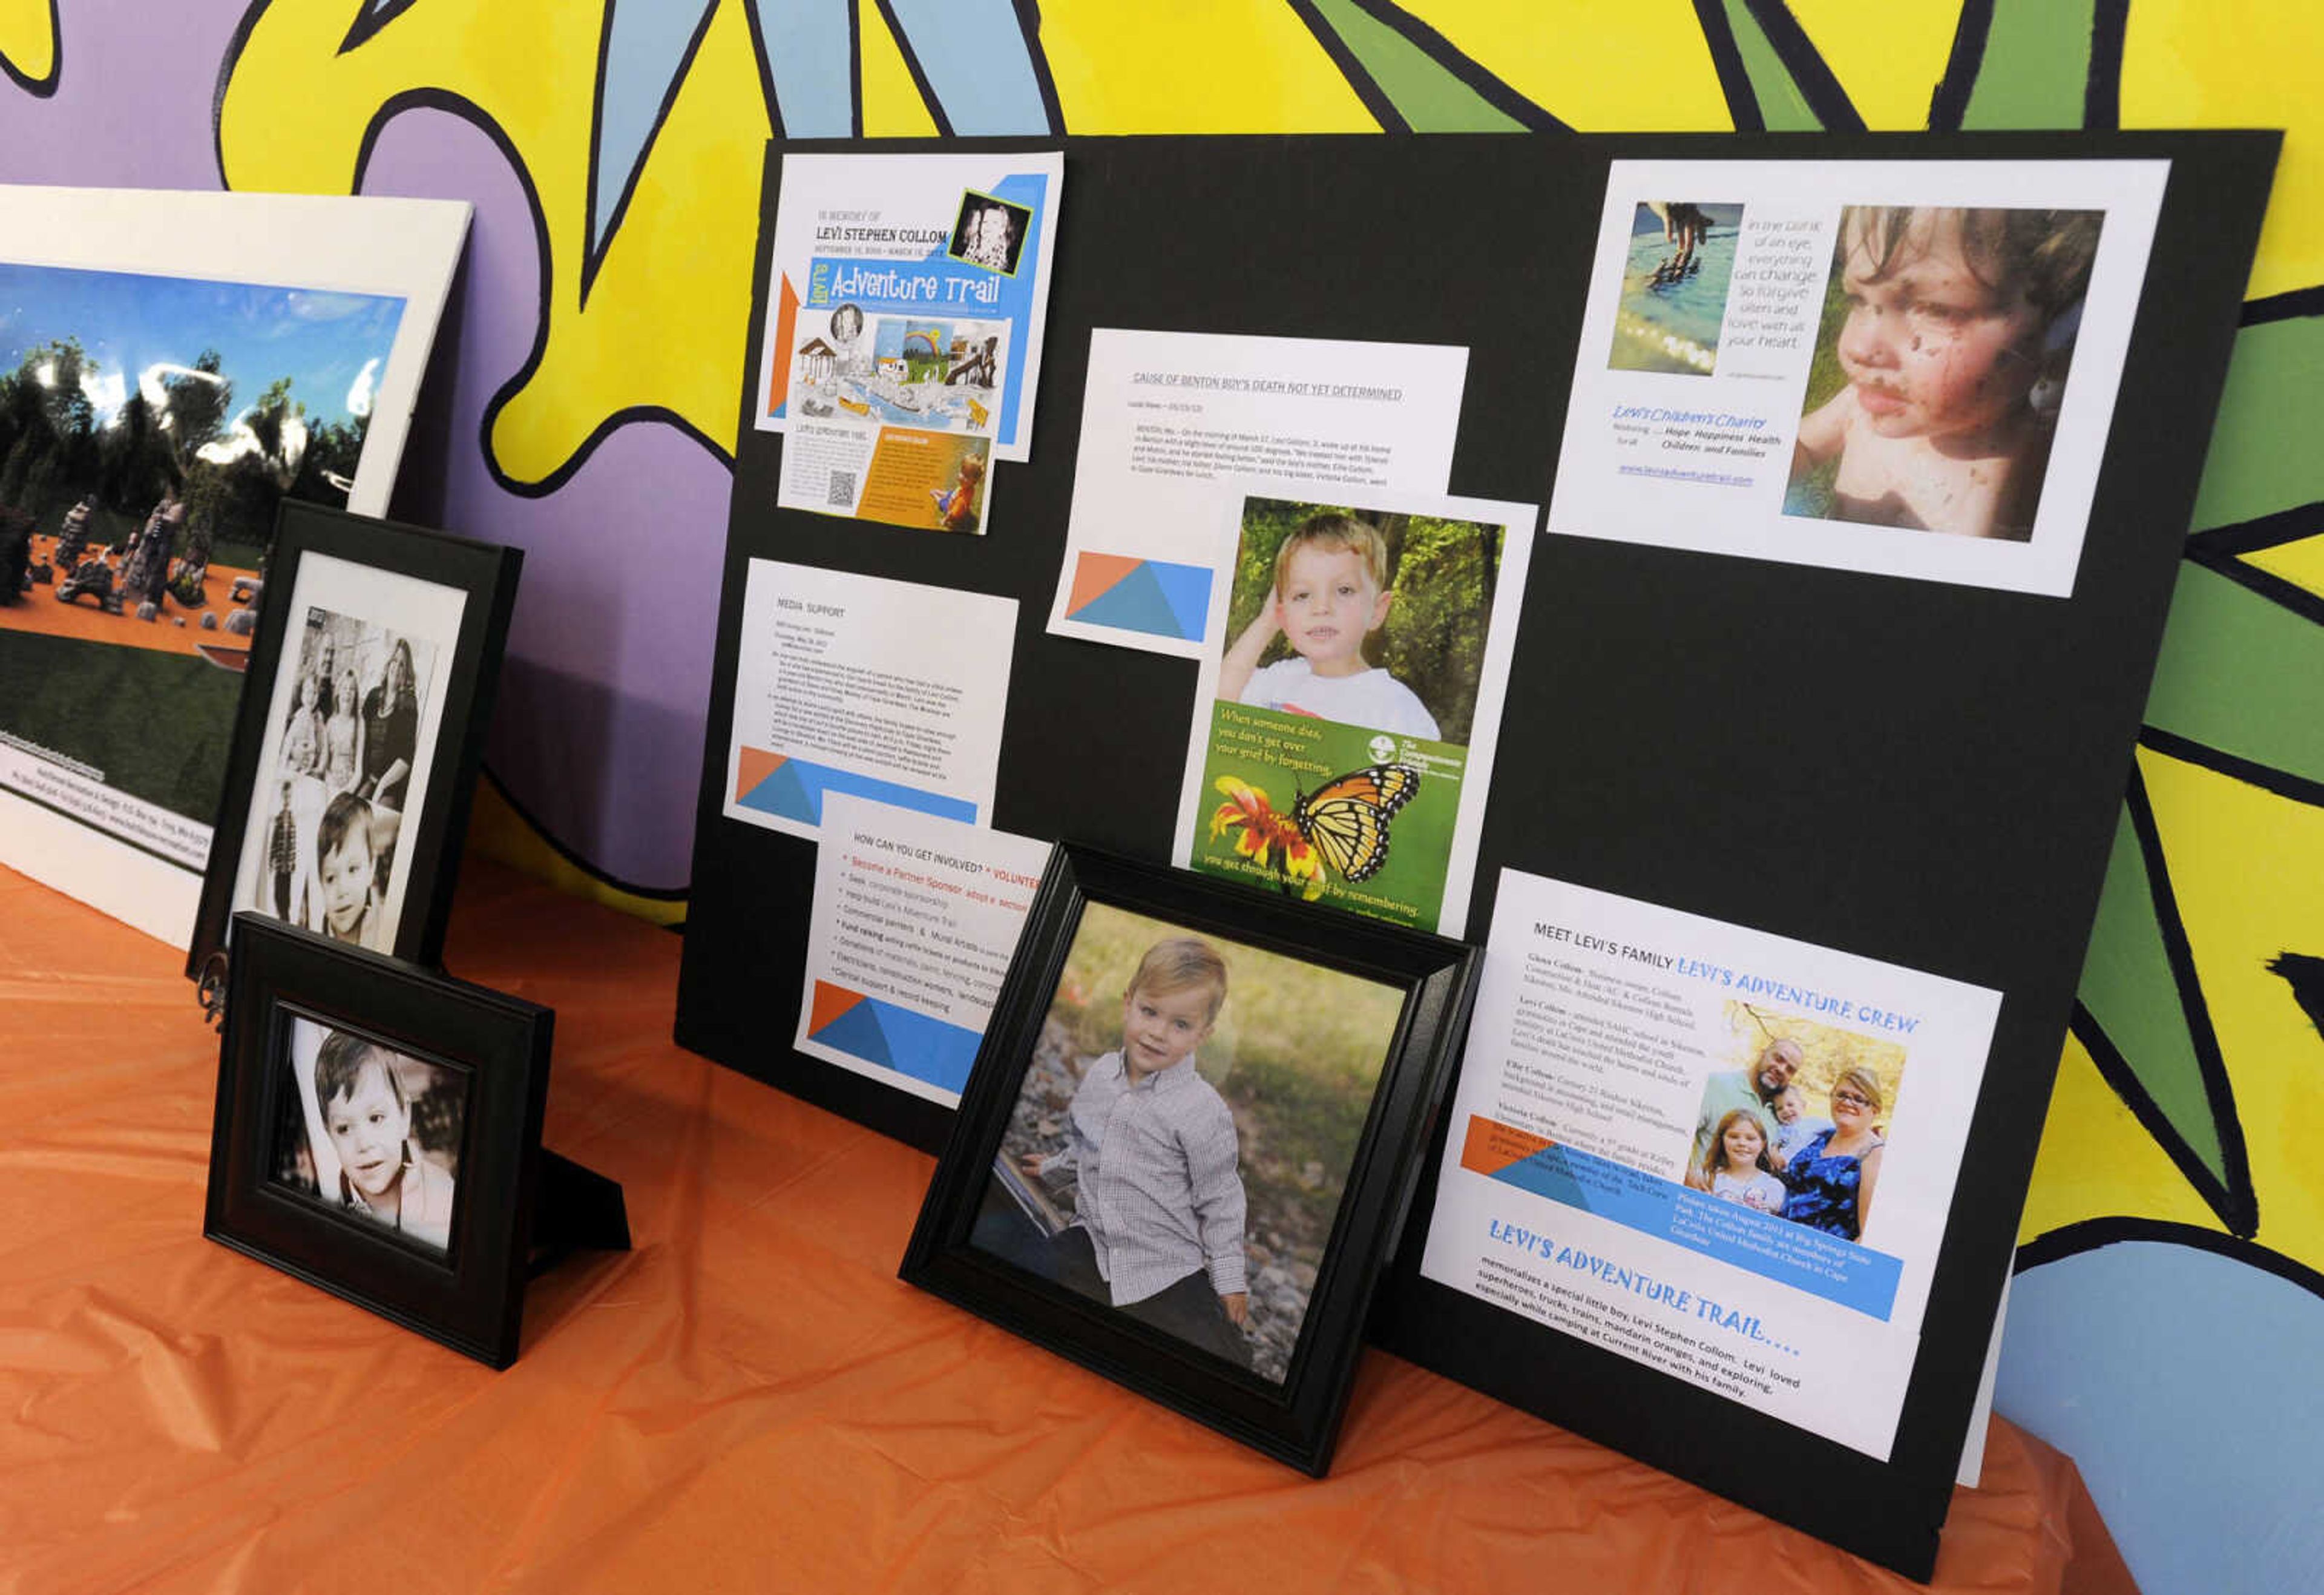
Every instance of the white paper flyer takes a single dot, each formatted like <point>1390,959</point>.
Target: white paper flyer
<point>1907,368</point>
<point>882,689</point>
<point>915,921</point>
<point>1166,416</point>
<point>1723,1154</point>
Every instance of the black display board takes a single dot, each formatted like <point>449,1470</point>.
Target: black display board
<point>1918,773</point>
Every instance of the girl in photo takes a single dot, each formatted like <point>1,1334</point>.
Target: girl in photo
<point>1738,1169</point>
<point>390,731</point>
<point>343,737</point>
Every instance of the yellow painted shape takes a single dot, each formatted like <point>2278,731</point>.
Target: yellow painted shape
<point>2248,870</point>
<point>2300,563</point>
<point>891,101</point>
<point>1888,59</point>
<point>1600,65</point>
<point>26,38</point>
<point>497,830</point>
<point>2246,63</point>
<point>662,328</point>
<point>1196,66</point>
<point>2097,1161</point>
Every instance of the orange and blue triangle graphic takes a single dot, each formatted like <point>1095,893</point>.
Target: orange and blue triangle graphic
<point>1150,596</point>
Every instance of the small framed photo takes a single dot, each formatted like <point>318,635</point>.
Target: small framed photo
<point>989,232</point>
<point>1191,1133</point>
<point>361,722</point>
<point>378,1133</point>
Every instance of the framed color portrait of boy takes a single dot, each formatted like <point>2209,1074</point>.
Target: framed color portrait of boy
<point>1194,1124</point>
<point>378,1134</point>
<point>360,724</point>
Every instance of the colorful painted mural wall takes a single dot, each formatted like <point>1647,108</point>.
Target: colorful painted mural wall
<point>2168,1281</point>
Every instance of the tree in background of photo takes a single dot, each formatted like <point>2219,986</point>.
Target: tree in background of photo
<point>1443,574</point>
<point>1827,1054</point>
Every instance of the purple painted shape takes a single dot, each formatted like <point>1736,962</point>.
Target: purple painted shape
<point>132,107</point>
<point>598,733</point>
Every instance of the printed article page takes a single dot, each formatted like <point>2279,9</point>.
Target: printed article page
<point>1720,1153</point>
<point>886,690</point>
<point>914,923</point>
<point>1907,368</point>
<point>1347,716</point>
<point>1167,415</point>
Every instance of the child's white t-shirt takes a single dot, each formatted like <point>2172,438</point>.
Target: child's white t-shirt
<point>1370,698</point>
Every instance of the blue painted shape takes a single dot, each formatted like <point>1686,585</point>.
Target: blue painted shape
<point>796,791</point>
<point>974,56</point>
<point>857,1034</point>
<point>2185,1386</point>
<point>1807,1259</point>
<point>1140,602</point>
<point>645,46</point>
<point>810,58</point>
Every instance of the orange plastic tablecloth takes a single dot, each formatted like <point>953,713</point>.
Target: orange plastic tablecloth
<point>750,1400</point>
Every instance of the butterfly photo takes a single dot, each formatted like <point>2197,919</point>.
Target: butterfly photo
<point>1346,819</point>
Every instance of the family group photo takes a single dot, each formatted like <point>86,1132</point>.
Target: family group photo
<point>1796,1128</point>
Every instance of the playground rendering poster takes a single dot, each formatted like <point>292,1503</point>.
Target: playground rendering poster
<point>172,366</point>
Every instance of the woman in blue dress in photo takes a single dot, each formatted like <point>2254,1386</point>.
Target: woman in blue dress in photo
<point>1831,1178</point>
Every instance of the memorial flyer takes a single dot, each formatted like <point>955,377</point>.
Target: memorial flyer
<point>914,923</point>
<point>1900,367</point>
<point>882,689</point>
<point>1167,415</point>
<point>1347,716</point>
<point>906,302</point>
<point>1720,1153</point>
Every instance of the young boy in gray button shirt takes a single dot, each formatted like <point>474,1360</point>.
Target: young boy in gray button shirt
<point>1159,1203</point>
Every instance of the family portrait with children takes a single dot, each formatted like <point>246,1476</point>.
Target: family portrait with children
<point>1183,1133</point>
<point>370,1131</point>
<point>1797,1129</point>
<point>336,778</point>
<point>1940,366</point>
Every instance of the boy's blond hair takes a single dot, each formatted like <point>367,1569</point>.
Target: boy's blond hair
<point>1177,963</point>
<point>1332,530</point>
<point>2043,255</point>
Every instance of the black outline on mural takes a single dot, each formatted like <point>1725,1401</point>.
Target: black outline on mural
<point>2219,550</point>
<point>2287,306</point>
<point>1829,103</point>
<point>597,872</point>
<point>1727,61</point>
<point>1949,101</point>
<point>371,16</point>
<point>1338,52</point>
<point>902,40</point>
<point>1461,67</point>
<point>2232,1198</point>
<point>1028,24</point>
<point>42,88</point>
<point>594,248</point>
<point>2102,97</point>
<point>2304,973</point>
<point>2090,1234</point>
<point>2267,778</point>
<point>766,72</point>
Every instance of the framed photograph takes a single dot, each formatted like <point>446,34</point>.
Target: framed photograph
<point>1193,1125</point>
<point>378,1134</point>
<point>172,366</point>
<point>354,754</point>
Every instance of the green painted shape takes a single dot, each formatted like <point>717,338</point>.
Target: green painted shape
<point>2241,673</point>
<point>2126,985</point>
<point>1781,106</point>
<point>2036,70</point>
<point>1429,97</point>
<point>2264,458</point>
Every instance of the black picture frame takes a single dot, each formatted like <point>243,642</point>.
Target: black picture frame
<point>464,661</point>
<point>1297,1419</point>
<point>468,1294</point>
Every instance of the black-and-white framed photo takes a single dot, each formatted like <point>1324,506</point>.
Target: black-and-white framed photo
<point>378,1133</point>
<point>360,729</point>
<point>1192,1128</point>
